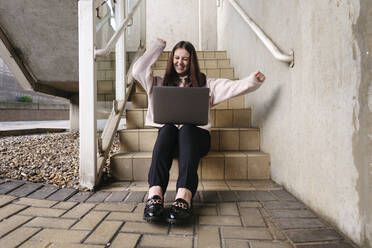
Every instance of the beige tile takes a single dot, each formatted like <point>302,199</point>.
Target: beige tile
<point>65,205</point>
<point>205,211</point>
<point>236,244</point>
<point>229,208</point>
<point>236,165</point>
<point>118,207</point>
<point>229,139</point>
<point>141,168</point>
<point>258,166</point>
<point>64,245</point>
<point>45,222</point>
<point>236,102</point>
<point>249,140</point>
<point>104,87</point>
<point>213,167</point>
<point>209,54</point>
<point>261,244</point>
<point>240,185</point>
<point>158,72</point>
<point>220,220</point>
<point>122,216</point>
<point>223,63</point>
<point>222,105</point>
<point>139,101</point>
<point>265,185</point>
<point>79,210</point>
<point>129,141</point>
<point>90,221</point>
<point>246,233</point>
<point>122,167</point>
<point>242,118</point>
<point>224,118</point>
<point>214,185</point>
<point>213,73</point>
<point>44,212</point>
<point>36,202</point>
<point>212,117</point>
<point>166,241</point>
<point>5,199</point>
<point>125,240</point>
<point>182,230</point>
<point>221,54</point>
<point>110,75</point>
<point>130,227</point>
<point>38,243</point>
<point>201,64</point>
<point>227,73</point>
<point>200,55</point>
<point>11,223</point>
<point>164,56</point>
<point>139,88</point>
<point>215,140</point>
<point>104,232</point>
<point>134,119</point>
<point>147,139</point>
<point>211,63</point>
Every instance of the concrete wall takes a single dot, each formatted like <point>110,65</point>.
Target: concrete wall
<point>315,119</point>
<point>175,20</point>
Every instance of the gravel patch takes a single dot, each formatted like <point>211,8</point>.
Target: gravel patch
<point>46,158</point>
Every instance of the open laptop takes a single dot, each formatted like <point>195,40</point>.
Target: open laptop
<point>180,105</point>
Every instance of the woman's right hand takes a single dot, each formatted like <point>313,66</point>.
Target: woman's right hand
<point>165,43</point>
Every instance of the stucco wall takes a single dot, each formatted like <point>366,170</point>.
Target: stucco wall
<point>175,20</point>
<point>315,118</point>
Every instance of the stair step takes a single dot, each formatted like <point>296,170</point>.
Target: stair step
<point>228,118</point>
<point>210,73</point>
<point>139,100</point>
<point>203,63</point>
<point>201,55</point>
<point>222,139</point>
<point>214,166</point>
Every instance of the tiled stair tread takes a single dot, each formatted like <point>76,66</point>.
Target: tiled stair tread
<point>212,154</point>
<point>212,129</point>
<point>145,109</point>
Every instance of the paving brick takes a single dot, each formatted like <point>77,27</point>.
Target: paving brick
<point>135,197</point>
<point>208,237</point>
<point>200,210</point>
<point>63,245</point>
<point>33,244</point>
<point>61,236</point>
<point>170,196</point>
<point>104,232</point>
<point>228,196</point>
<point>250,204</point>
<point>12,223</point>
<point>43,192</point>
<point>90,221</point>
<point>80,196</point>
<point>275,231</point>
<point>125,240</point>
<point>79,210</point>
<point>264,196</point>
<point>17,237</point>
<point>44,212</point>
<point>283,195</point>
<point>9,210</point>
<point>302,236</point>
<point>187,229</point>
<point>260,244</point>
<point>115,207</point>
<point>299,223</point>
<point>166,241</point>
<point>252,217</point>
<point>5,199</point>
<point>117,196</point>
<point>139,209</point>
<point>122,216</point>
<point>51,223</point>
<point>65,205</point>
<point>228,209</point>
<point>197,197</point>
<point>246,196</point>
<point>35,202</point>
<point>210,196</point>
<point>131,227</point>
<point>62,194</point>
<point>329,245</point>
<point>26,189</point>
<point>98,197</point>
<point>236,244</point>
<point>284,205</point>
<point>246,233</point>
<point>220,220</point>
<point>7,187</point>
<point>291,214</point>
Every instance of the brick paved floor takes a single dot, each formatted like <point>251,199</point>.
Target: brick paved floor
<point>252,214</point>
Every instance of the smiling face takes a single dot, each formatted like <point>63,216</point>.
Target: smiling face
<point>181,61</point>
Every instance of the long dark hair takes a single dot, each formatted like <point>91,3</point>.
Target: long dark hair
<point>195,77</point>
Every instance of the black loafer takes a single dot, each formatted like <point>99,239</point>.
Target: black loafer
<point>180,212</point>
<point>153,211</point>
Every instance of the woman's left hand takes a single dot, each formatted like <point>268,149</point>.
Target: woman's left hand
<point>260,76</point>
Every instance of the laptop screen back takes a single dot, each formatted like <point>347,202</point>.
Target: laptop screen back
<point>181,105</point>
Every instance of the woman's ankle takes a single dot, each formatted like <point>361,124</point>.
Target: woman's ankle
<point>185,194</point>
<point>155,190</point>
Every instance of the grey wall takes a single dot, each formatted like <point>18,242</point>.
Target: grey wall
<point>315,119</point>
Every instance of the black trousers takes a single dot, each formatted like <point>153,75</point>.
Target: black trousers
<point>191,143</point>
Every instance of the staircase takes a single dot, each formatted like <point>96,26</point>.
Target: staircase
<point>235,145</point>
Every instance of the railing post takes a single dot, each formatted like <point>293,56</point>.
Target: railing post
<point>121,65</point>
<point>87,95</point>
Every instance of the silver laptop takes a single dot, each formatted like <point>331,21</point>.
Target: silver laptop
<point>180,105</point>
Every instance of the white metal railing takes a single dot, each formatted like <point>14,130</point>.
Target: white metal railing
<point>275,51</point>
<point>127,22</point>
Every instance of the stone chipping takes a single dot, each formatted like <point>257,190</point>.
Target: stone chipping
<point>45,158</point>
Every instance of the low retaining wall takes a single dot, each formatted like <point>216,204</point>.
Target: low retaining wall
<point>20,111</point>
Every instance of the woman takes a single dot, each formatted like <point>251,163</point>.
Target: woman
<point>190,141</point>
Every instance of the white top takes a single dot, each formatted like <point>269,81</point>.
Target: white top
<point>220,89</point>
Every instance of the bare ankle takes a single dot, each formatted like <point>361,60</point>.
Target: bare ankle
<point>155,190</point>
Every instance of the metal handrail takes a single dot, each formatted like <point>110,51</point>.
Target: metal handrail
<point>275,51</point>
<point>104,51</point>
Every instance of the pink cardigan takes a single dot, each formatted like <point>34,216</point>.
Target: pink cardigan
<point>219,89</point>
